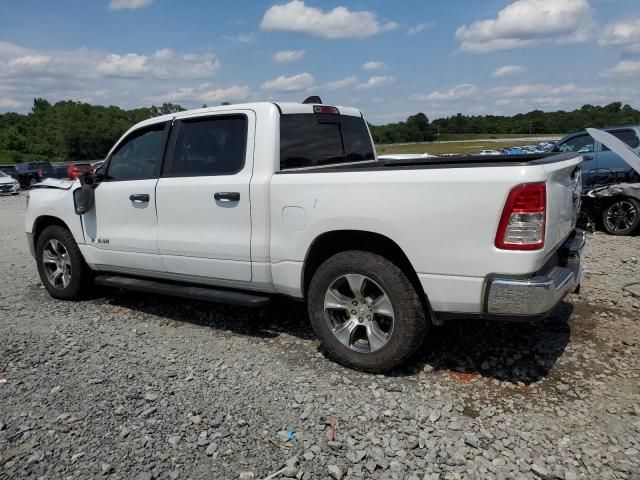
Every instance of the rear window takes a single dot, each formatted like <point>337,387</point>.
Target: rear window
<point>627,136</point>
<point>40,166</point>
<point>309,140</point>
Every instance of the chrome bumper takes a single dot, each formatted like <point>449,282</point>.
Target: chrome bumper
<point>536,296</point>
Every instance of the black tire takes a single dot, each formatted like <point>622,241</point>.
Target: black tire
<point>622,216</point>
<point>409,321</point>
<point>15,193</point>
<point>80,275</point>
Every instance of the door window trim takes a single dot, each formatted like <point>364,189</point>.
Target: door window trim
<point>173,139</point>
<point>107,163</point>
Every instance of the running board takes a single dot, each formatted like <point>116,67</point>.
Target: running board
<point>185,291</point>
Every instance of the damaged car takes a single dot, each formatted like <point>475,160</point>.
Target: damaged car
<point>611,186</point>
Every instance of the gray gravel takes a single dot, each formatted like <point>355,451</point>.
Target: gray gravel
<point>132,386</point>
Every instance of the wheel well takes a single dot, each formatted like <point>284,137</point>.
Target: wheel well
<point>43,222</point>
<point>330,243</point>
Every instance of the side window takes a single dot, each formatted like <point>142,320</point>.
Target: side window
<point>139,156</point>
<point>579,144</point>
<point>628,136</point>
<point>210,146</point>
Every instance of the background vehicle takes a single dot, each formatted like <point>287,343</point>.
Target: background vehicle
<point>70,170</point>
<point>31,173</point>
<point>617,212</point>
<point>489,152</point>
<point>8,185</point>
<point>240,202</point>
<point>9,170</point>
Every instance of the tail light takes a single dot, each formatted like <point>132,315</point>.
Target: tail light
<point>40,174</point>
<point>522,224</point>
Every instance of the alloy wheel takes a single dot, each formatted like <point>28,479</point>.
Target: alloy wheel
<point>359,313</point>
<point>57,264</point>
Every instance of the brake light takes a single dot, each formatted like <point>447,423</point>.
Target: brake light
<point>40,174</point>
<point>325,109</point>
<point>522,224</point>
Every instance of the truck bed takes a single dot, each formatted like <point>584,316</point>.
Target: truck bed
<point>461,161</point>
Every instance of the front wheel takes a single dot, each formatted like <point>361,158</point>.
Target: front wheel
<point>366,311</point>
<point>622,216</point>
<point>61,266</point>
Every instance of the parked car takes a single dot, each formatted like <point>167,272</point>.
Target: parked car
<point>266,199</point>
<point>30,173</point>
<point>618,214</point>
<point>8,184</point>
<point>70,170</point>
<point>9,170</point>
<point>489,152</point>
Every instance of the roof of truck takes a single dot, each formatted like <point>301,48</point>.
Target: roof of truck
<point>283,107</point>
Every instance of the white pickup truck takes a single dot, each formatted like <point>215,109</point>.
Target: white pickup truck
<point>242,202</point>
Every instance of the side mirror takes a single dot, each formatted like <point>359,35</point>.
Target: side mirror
<point>84,197</point>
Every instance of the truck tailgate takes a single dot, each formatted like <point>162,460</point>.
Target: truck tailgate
<point>564,187</point>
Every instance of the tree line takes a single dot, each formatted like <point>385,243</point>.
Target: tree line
<point>70,130</point>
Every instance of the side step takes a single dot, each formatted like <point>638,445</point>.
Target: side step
<point>181,290</point>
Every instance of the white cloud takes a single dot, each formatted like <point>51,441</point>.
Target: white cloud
<point>295,83</point>
<point>8,103</point>
<point>341,84</point>
<point>527,23</point>
<point>128,79</point>
<point>419,28</point>
<point>287,56</point>
<point>508,71</point>
<point>620,33</point>
<point>373,65</point>
<point>377,81</point>
<point>541,90</point>
<point>208,93</point>
<point>240,38</point>
<point>340,22</point>
<point>624,68</point>
<point>464,90</point>
<point>129,4</point>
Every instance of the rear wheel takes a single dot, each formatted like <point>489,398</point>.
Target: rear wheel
<point>61,266</point>
<point>366,311</point>
<point>622,216</point>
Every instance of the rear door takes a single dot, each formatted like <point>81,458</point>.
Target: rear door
<point>204,213</point>
<point>123,226</point>
<point>611,167</point>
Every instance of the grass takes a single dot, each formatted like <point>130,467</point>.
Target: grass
<point>462,148</point>
<point>480,136</point>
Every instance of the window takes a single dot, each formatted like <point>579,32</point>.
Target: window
<point>308,140</point>
<point>139,156</point>
<point>627,136</point>
<point>210,146</point>
<point>579,144</point>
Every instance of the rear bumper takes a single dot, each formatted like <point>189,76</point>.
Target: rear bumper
<point>537,295</point>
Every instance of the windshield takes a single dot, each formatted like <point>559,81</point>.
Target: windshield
<point>2,174</point>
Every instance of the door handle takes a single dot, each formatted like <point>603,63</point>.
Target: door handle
<point>587,157</point>
<point>227,196</point>
<point>139,197</point>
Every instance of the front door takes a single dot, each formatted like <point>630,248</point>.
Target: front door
<point>204,214</point>
<point>122,228</point>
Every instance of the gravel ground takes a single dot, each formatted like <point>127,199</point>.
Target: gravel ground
<point>131,386</point>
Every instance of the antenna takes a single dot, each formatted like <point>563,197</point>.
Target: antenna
<point>313,99</point>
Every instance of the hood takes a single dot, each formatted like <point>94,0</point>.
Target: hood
<point>5,180</point>
<point>55,183</point>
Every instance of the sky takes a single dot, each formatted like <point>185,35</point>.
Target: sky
<point>388,58</point>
